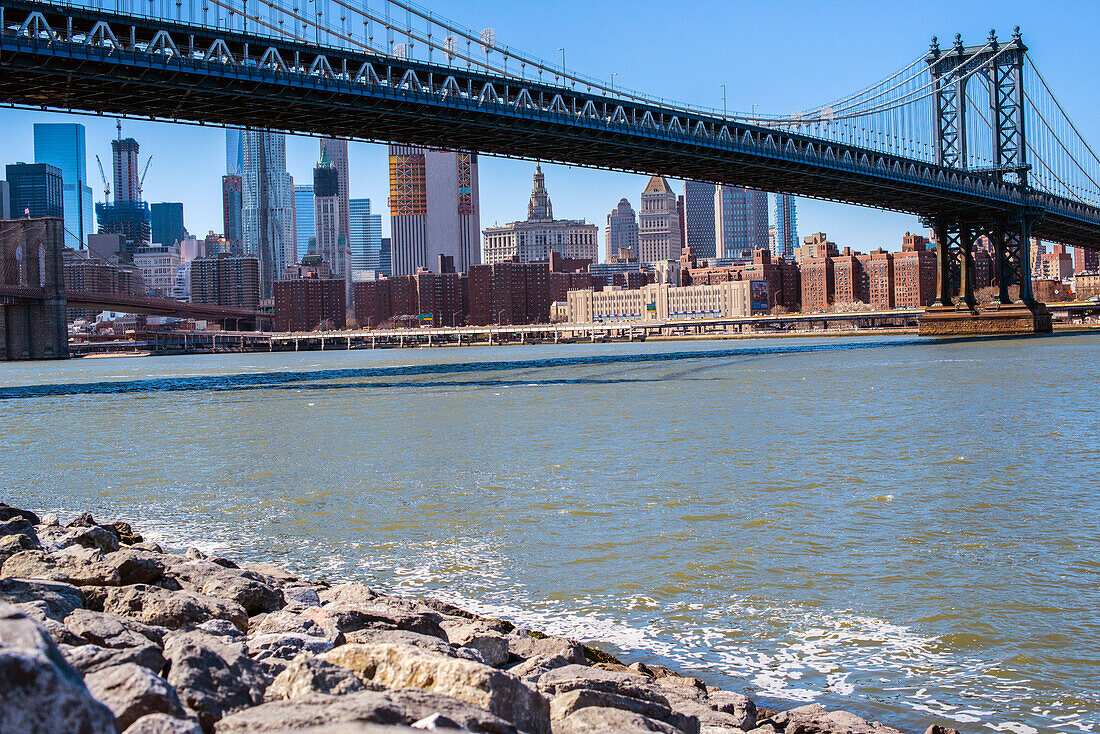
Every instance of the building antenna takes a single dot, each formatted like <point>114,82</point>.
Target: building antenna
<point>118,125</point>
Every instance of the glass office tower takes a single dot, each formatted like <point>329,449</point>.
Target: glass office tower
<point>62,145</point>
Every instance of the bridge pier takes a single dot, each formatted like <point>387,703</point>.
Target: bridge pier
<point>955,311</point>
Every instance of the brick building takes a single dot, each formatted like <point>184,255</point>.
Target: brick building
<point>818,284</point>
<point>1049,290</point>
<point>878,274</point>
<point>914,273</point>
<point>784,282</point>
<point>1086,261</point>
<point>310,304</point>
<point>849,279</point>
<point>226,280</point>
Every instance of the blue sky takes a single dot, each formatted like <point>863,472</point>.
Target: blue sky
<point>780,55</point>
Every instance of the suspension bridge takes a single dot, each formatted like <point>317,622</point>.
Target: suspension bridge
<point>969,137</point>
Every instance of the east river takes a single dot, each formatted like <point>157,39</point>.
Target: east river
<point>907,530</point>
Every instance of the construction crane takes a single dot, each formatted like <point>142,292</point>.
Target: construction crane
<point>141,181</point>
<point>106,183</point>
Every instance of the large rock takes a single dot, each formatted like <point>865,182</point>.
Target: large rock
<point>305,596</point>
<point>813,719</point>
<point>314,710</point>
<point>90,658</point>
<point>306,675</point>
<point>172,609</point>
<point>737,705</point>
<point>527,647</point>
<point>401,637</point>
<point>393,708</point>
<point>68,569</point>
<point>100,538</point>
<point>255,596</point>
<point>480,636</point>
<point>12,544</point>
<point>39,692</point>
<point>137,566</point>
<point>56,600</point>
<point>300,621</point>
<point>112,630</point>
<point>163,724</point>
<point>576,677</point>
<point>404,666</point>
<point>131,691</point>
<point>353,593</point>
<point>7,512</point>
<point>565,705</point>
<point>595,720</point>
<point>285,646</point>
<point>384,613</point>
<point>212,675</point>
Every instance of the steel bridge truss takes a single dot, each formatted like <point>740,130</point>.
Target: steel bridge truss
<point>1001,68</point>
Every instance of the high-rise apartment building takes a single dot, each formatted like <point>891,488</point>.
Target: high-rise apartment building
<point>234,152</point>
<point>328,242</point>
<point>740,221</point>
<point>233,212</point>
<point>1086,261</point>
<point>35,190</point>
<point>621,234</point>
<point>62,145</point>
<point>433,208</point>
<point>226,280</point>
<point>268,205</point>
<point>786,226</point>
<point>125,165</point>
<point>335,151</point>
<point>699,218</point>
<point>304,226</point>
<point>166,223</point>
<point>658,223</point>
<point>534,239</point>
<point>366,237</point>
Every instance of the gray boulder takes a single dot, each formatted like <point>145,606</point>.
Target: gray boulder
<point>39,692</point>
<point>90,658</point>
<point>56,600</point>
<point>385,613</point>
<point>739,706</point>
<point>12,544</point>
<point>112,630</point>
<point>596,720</point>
<point>99,538</point>
<point>297,620</point>
<point>163,724</point>
<point>315,710</point>
<point>401,637</point>
<point>814,719</point>
<point>480,636</point>
<point>404,666</point>
<point>132,691</point>
<point>255,596</point>
<point>306,675</point>
<point>526,647</point>
<point>172,609</point>
<point>68,569</point>
<point>353,593</point>
<point>212,675</point>
<point>7,512</point>
<point>565,705</point>
<point>305,596</point>
<point>285,646</point>
<point>137,566</point>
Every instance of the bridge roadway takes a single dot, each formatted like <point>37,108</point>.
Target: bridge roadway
<point>58,57</point>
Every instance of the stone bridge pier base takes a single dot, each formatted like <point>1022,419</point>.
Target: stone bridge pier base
<point>32,290</point>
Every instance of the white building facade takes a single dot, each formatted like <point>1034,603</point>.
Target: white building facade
<point>658,223</point>
<point>540,234</point>
<point>660,302</point>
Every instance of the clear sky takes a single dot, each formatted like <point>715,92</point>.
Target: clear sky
<point>780,55</point>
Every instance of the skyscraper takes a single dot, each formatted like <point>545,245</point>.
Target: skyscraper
<point>621,234</point>
<point>127,215</point>
<point>62,145</point>
<point>234,152</point>
<point>5,201</point>
<point>35,190</point>
<point>303,217</point>
<point>433,208</point>
<point>786,226</point>
<point>740,221</point>
<point>233,212</point>
<point>699,218</point>
<point>336,151</point>
<point>534,239</point>
<point>330,244</point>
<point>366,236</point>
<point>166,222</point>
<point>658,223</point>
<point>268,205</point>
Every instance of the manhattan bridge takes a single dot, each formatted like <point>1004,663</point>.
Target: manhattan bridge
<point>969,137</point>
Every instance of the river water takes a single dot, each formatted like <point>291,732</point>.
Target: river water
<point>905,529</point>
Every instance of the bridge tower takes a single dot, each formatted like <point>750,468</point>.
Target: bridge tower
<point>1000,68</point>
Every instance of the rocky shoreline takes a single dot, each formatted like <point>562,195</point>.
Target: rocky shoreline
<point>102,631</point>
